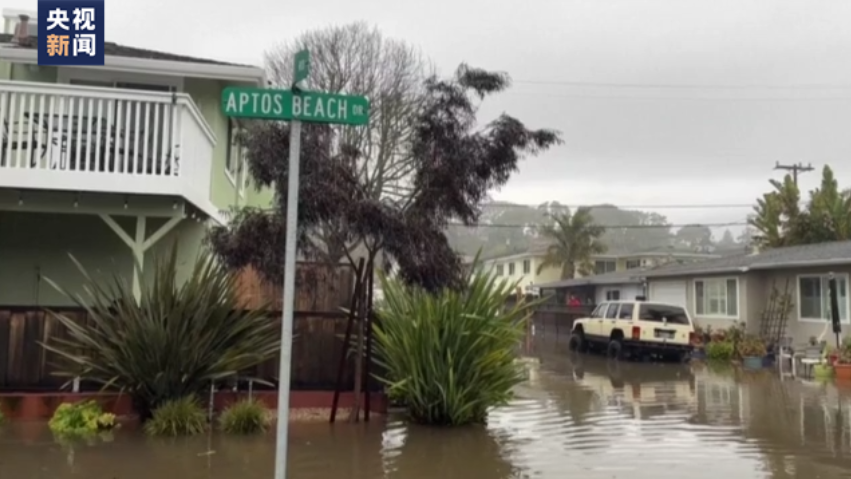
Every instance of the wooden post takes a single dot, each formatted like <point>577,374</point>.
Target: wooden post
<point>370,315</point>
<point>348,336</point>
<point>359,366</point>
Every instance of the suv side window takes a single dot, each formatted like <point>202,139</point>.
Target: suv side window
<point>612,312</point>
<point>626,311</point>
<point>659,312</point>
<point>599,311</point>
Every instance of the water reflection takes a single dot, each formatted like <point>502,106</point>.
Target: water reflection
<point>581,415</point>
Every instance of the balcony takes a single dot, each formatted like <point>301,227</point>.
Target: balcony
<point>104,140</point>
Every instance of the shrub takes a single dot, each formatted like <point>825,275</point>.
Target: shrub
<point>720,350</point>
<point>83,418</point>
<point>751,346</point>
<point>173,342</point>
<point>178,417</point>
<point>449,356</point>
<point>248,416</point>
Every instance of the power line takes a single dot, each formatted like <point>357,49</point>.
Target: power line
<point>625,207</point>
<point>684,86</point>
<point>607,227</point>
<point>677,97</point>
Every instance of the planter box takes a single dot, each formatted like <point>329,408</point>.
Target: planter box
<point>822,370</point>
<point>752,362</point>
<point>42,405</point>
<point>842,371</point>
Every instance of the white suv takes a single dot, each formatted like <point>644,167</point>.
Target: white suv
<point>638,328</point>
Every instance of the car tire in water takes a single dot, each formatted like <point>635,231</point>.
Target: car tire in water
<point>576,343</point>
<point>615,349</point>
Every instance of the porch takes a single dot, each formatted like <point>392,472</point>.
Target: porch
<point>65,137</point>
<point>108,242</point>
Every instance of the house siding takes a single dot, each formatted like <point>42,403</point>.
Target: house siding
<point>755,289</point>
<point>799,330</point>
<point>744,308</point>
<point>35,246</point>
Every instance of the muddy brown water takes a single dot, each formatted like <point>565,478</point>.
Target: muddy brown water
<point>580,417</point>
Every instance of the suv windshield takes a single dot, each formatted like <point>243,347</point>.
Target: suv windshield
<point>661,312</point>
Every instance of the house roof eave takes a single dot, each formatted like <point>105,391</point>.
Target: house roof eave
<point>218,71</point>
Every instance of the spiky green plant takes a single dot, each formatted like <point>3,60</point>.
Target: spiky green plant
<point>178,417</point>
<point>172,343</point>
<point>248,416</point>
<point>449,356</point>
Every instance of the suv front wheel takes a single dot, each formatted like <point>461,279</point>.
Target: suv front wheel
<point>577,343</point>
<point>615,349</point>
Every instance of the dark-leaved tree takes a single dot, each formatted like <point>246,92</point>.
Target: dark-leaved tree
<point>453,166</point>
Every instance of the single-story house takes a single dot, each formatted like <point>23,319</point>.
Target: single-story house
<point>599,288</point>
<point>739,288</point>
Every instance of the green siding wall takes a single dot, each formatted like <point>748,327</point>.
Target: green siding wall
<point>36,245</point>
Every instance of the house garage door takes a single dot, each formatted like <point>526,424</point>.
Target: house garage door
<point>671,292</point>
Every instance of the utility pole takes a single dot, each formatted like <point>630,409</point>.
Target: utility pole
<point>797,167</point>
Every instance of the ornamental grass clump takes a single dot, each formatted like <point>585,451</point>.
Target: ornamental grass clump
<point>248,416</point>
<point>178,417</point>
<point>450,356</point>
<point>173,342</point>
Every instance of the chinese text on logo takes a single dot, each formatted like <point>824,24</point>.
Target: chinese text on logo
<point>70,32</point>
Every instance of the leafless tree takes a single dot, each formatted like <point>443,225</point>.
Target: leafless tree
<point>358,59</point>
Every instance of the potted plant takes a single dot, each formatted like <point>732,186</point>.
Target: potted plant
<point>752,351</point>
<point>831,354</point>
<point>842,367</point>
<point>698,343</point>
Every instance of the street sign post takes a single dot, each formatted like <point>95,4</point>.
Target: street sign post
<point>301,69</point>
<point>306,106</point>
<point>295,105</point>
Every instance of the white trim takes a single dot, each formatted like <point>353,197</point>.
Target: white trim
<point>66,74</point>
<point>844,276</point>
<point>718,316</point>
<point>230,176</point>
<point>246,74</point>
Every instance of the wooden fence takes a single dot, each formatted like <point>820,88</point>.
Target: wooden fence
<point>26,366</point>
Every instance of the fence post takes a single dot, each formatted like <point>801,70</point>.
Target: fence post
<point>212,398</point>
<point>75,387</point>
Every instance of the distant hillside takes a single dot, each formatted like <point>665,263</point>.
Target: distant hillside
<point>508,228</point>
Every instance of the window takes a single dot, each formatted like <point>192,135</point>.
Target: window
<point>499,270</point>
<point>613,295</point>
<point>600,311</point>
<point>717,297</point>
<point>660,313</point>
<point>510,269</point>
<point>814,297</point>
<point>612,312</point>
<point>626,311</point>
<point>605,266</point>
<point>527,266</point>
<point>633,263</point>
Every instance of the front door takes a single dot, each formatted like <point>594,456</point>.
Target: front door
<point>609,320</point>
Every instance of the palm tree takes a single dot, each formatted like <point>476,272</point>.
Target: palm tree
<point>575,240</point>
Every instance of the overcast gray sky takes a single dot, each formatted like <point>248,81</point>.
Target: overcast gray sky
<point>786,64</point>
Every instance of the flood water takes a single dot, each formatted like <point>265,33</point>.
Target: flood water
<point>583,417</point>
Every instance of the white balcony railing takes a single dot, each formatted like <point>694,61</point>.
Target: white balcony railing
<point>69,137</point>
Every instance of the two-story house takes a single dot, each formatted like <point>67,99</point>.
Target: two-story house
<point>112,164</point>
<point>523,267</point>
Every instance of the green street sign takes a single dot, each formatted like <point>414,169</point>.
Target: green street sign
<point>306,106</point>
<point>301,67</point>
